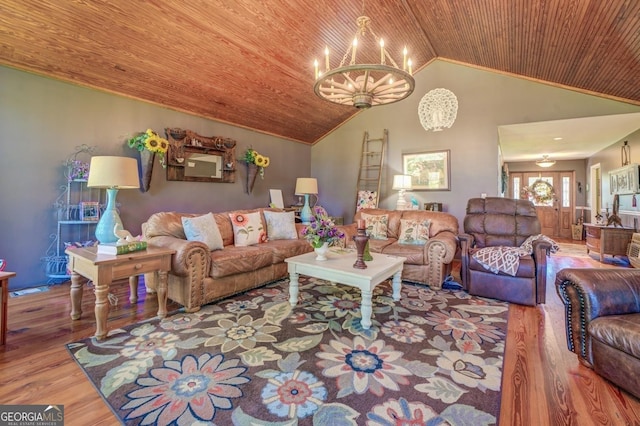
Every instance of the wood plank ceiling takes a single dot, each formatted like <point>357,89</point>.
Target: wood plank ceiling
<point>250,62</point>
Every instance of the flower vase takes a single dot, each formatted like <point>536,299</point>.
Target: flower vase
<point>146,158</point>
<point>321,252</point>
<point>252,173</point>
<point>366,256</point>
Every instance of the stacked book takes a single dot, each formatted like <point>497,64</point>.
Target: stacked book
<point>121,248</point>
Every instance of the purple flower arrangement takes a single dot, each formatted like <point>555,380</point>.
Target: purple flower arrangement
<point>78,170</point>
<point>321,229</point>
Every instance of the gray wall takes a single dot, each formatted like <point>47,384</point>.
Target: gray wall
<point>42,122</point>
<point>609,159</point>
<point>486,100</point>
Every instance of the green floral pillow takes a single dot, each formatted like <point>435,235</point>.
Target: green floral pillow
<point>247,229</point>
<point>376,225</point>
<point>414,231</point>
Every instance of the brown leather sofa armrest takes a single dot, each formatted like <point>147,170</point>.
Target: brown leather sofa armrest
<point>191,258</point>
<point>349,231</point>
<point>448,244</point>
<point>589,293</point>
<point>466,244</point>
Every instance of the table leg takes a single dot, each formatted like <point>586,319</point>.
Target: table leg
<point>133,289</point>
<point>396,285</point>
<point>102,307</point>
<point>162,293</point>
<point>76,296</point>
<point>365,308</point>
<point>293,288</point>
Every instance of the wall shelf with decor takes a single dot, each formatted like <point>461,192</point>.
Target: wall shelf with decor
<point>77,210</point>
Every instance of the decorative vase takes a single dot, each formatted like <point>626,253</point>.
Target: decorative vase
<point>145,165</point>
<point>252,173</point>
<point>321,252</point>
<point>366,256</point>
<point>361,239</point>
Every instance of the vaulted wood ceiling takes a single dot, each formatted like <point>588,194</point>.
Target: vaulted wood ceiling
<point>250,62</point>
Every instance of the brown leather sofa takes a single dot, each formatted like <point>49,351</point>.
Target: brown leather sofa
<point>429,263</point>
<point>503,222</point>
<point>602,308</point>
<point>199,276</point>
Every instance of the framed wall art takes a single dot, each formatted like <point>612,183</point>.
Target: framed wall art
<point>625,180</point>
<point>429,171</point>
<point>89,211</point>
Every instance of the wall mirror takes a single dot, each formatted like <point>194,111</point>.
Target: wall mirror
<point>196,158</point>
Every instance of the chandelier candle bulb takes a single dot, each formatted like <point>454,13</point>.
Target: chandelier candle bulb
<point>409,63</point>
<point>382,51</point>
<point>326,56</point>
<point>353,51</point>
<point>404,59</point>
<point>315,64</point>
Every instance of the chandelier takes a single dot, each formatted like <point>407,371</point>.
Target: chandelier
<point>545,162</point>
<point>367,84</point>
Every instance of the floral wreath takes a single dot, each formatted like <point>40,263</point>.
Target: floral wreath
<point>540,192</point>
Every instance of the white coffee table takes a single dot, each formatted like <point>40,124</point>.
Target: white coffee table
<point>338,268</point>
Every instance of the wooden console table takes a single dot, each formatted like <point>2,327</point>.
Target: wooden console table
<point>104,269</point>
<point>608,239</point>
<point>4,297</point>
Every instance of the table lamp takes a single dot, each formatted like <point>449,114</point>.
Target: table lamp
<point>401,183</point>
<point>112,173</point>
<point>306,186</point>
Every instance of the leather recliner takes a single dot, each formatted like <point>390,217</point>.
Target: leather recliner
<point>602,311</point>
<point>503,222</point>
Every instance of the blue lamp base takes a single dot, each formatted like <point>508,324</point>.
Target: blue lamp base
<point>109,219</point>
<point>305,213</point>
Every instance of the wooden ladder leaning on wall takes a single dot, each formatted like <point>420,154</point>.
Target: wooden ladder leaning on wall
<point>370,172</point>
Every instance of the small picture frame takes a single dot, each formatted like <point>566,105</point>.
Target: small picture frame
<point>89,211</point>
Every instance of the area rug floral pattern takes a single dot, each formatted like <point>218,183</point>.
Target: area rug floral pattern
<point>432,358</point>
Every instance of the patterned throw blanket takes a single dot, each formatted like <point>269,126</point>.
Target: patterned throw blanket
<point>507,259</point>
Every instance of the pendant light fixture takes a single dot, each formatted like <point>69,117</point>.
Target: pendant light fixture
<point>364,85</point>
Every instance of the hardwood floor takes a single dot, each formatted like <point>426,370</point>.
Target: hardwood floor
<point>543,383</point>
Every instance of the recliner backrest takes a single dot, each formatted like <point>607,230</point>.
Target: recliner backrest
<point>496,221</point>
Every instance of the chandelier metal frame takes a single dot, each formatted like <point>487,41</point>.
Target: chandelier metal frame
<point>364,85</point>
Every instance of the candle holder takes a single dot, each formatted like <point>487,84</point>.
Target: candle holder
<point>361,240</point>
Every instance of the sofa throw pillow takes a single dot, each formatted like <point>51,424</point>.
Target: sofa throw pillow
<point>247,229</point>
<point>281,225</point>
<point>203,228</point>
<point>376,225</point>
<point>414,231</point>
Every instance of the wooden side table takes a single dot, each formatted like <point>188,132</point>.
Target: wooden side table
<point>104,269</point>
<point>4,297</point>
<point>608,239</point>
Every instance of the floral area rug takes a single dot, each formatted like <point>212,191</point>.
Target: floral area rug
<point>432,358</point>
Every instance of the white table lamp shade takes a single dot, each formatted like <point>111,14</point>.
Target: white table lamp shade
<point>306,186</point>
<point>113,172</point>
<point>401,182</point>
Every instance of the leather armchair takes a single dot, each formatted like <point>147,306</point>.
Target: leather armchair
<point>602,311</point>
<point>503,222</point>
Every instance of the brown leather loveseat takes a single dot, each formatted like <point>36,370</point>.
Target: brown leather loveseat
<point>602,308</point>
